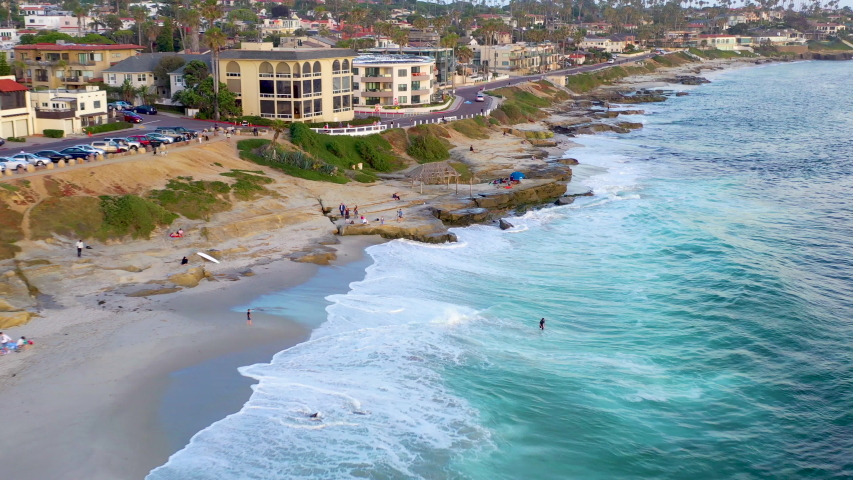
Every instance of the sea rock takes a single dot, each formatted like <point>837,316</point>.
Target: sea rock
<point>505,225</point>
<point>317,256</point>
<point>681,94</point>
<point>568,161</point>
<point>630,125</point>
<point>632,112</point>
<point>191,278</point>
<point>564,201</point>
<point>13,319</point>
<point>641,99</point>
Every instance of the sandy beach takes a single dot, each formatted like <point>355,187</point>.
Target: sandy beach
<point>122,374</point>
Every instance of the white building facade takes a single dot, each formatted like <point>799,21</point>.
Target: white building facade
<point>393,80</point>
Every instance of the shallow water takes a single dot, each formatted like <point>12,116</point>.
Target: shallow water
<point>698,319</point>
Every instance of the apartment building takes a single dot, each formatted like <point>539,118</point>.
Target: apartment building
<point>69,110</point>
<point>139,71</point>
<point>393,80</point>
<point>445,60</point>
<point>67,65</point>
<point>16,118</point>
<point>301,84</point>
<point>516,58</point>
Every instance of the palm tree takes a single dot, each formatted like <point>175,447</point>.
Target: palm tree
<point>139,16</point>
<point>464,54</point>
<point>80,12</point>
<point>215,40</point>
<point>211,11</point>
<point>278,127</point>
<point>401,38</point>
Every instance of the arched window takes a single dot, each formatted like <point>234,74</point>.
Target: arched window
<point>336,66</point>
<point>316,67</point>
<point>296,70</point>
<point>306,69</point>
<point>232,69</point>
<point>282,70</point>
<point>266,70</point>
<point>345,65</point>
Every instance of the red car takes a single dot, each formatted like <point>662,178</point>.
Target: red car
<point>142,139</point>
<point>132,117</point>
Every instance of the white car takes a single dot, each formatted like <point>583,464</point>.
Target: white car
<point>90,148</point>
<point>32,159</point>
<point>130,144</point>
<point>109,147</point>
<point>12,164</point>
<point>480,98</point>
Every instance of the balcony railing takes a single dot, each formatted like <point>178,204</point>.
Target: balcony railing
<point>232,74</point>
<point>54,114</point>
<point>282,75</point>
<point>283,95</point>
<point>340,72</point>
<point>42,78</point>
<point>266,75</point>
<point>420,74</point>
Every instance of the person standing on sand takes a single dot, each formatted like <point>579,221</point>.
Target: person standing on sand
<point>79,248</point>
<point>542,324</point>
<point>249,316</point>
<point>399,215</point>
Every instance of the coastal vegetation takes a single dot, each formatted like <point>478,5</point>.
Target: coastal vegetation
<point>525,103</point>
<point>10,231</point>
<point>254,150</point>
<point>344,152</point>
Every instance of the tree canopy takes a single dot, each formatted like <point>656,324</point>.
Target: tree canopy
<point>52,37</point>
<point>166,65</point>
<point>195,72</point>
<point>202,97</point>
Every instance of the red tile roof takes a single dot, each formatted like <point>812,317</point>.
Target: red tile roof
<point>54,46</point>
<point>7,85</point>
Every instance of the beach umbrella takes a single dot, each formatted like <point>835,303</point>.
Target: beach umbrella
<point>517,176</point>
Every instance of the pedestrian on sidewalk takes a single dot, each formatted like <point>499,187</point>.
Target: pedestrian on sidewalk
<point>256,132</point>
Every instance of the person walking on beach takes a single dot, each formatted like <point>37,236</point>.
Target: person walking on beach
<point>542,324</point>
<point>79,248</point>
<point>249,316</point>
<point>342,208</point>
<point>399,215</point>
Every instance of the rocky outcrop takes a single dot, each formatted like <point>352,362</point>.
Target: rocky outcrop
<point>190,278</point>
<point>13,319</point>
<point>426,233</point>
<point>564,201</point>
<point>688,80</point>
<point>505,225</point>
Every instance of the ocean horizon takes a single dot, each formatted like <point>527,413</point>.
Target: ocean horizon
<point>698,315</point>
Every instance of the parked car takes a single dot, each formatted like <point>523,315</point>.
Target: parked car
<point>120,105</point>
<point>611,61</point>
<point>193,133</point>
<point>141,139</point>
<point>92,149</point>
<point>109,147</point>
<point>12,164</point>
<point>2,142</point>
<point>161,138</point>
<point>132,117</point>
<point>168,132</point>
<point>146,109</point>
<point>53,155</point>
<point>125,142</point>
<point>481,97</point>
<point>32,159</point>
<point>75,152</point>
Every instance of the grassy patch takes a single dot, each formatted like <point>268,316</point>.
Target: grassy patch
<point>471,128</point>
<point>397,138</point>
<point>9,187</point>
<point>76,217</point>
<point>816,46</point>
<point>463,170</point>
<point>249,151</point>
<point>194,199</point>
<point>344,151</point>
<point>10,231</point>
<point>715,53</point>
<point>132,215</point>
<point>249,184</point>
<point>427,148</point>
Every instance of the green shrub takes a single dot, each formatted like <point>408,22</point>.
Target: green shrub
<point>16,139</point>
<point>249,150</point>
<point>354,122</point>
<point>376,159</point>
<point>249,184</point>
<point>51,133</point>
<point>471,128</point>
<point>334,147</point>
<point>302,135</point>
<point>427,149</point>
<point>254,120</point>
<point>132,215</point>
<point>193,199</point>
<point>107,127</point>
<point>363,177</point>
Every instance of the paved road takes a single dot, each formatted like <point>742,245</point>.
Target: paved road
<point>150,122</point>
<point>469,93</point>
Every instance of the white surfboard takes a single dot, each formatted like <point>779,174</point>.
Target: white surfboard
<point>204,255</point>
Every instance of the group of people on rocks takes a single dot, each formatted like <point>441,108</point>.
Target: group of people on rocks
<point>351,215</point>
<point>7,345</point>
<point>504,181</point>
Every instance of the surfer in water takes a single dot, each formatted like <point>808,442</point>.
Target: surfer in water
<point>542,324</point>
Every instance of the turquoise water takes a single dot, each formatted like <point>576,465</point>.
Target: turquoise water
<point>698,319</point>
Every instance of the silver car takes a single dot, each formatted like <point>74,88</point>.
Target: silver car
<point>92,149</point>
<point>32,159</point>
<point>12,164</point>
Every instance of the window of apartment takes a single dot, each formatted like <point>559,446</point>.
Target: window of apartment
<point>52,57</point>
<point>402,72</point>
<point>355,71</point>
<point>141,77</point>
<point>32,20</point>
<point>355,85</point>
<point>179,79</point>
<point>402,87</point>
<point>346,83</point>
<point>403,100</point>
<point>336,84</point>
<point>68,23</point>
<point>97,104</point>
<point>416,85</point>
<point>82,106</point>
<point>65,56</point>
<point>416,99</point>
<point>54,105</point>
<point>116,55</point>
<point>97,57</point>
<point>111,78</point>
<point>372,72</point>
<point>83,57</point>
<point>372,87</point>
<point>416,69</point>
<point>87,74</point>
<point>60,74</point>
<point>505,63</point>
<point>128,77</point>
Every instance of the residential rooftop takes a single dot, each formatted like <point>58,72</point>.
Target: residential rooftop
<point>378,59</point>
<point>288,54</point>
<point>76,46</point>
